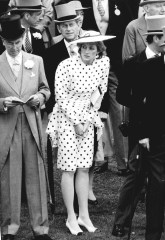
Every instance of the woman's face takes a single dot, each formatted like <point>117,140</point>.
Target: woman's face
<point>88,52</point>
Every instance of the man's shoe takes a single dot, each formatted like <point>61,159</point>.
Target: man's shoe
<point>42,237</point>
<point>118,231</point>
<point>8,237</point>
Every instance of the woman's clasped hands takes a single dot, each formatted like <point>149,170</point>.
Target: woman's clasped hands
<point>81,129</point>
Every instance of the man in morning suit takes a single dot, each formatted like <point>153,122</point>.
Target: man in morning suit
<point>152,138</point>
<point>128,95</point>
<point>23,90</point>
<point>30,12</point>
<point>68,25</point>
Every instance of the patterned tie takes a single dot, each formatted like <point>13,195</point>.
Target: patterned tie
<point>100,8</point>
<point>72,51</point>
<point>28,46</point>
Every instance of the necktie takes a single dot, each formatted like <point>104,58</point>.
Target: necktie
<point>72,52</point>
<point>100,8</point>
<point>15,68</point>
<point>28,46</point>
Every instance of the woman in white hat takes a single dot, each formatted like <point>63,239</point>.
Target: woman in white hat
<point>80,83</point>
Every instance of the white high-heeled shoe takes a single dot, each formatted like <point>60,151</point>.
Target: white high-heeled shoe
<point>82,223</point>
<point>72,231</point>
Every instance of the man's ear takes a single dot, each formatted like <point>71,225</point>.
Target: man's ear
<point>146,8</point>
<point>58,28</point>
<point>26,15</point>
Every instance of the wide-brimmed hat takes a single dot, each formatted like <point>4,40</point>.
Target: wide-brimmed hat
<point>144,2</point>
<point>77,5</point>
<point>65,12</point>
<point>27,5</point>
<point>155,24</point>
<point>92,36</point>
<point>11,27</point>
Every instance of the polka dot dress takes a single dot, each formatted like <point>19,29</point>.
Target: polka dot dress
<point>74,84</point>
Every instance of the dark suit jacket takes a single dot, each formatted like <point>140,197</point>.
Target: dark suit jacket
<point>52,57</point>
<point>37,44</point>
<point>152,89</point>
<point>128,93</point>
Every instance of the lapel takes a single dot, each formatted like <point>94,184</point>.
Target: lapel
<point>142,28</point>
<point>7,73</point>
<point>25,72</point>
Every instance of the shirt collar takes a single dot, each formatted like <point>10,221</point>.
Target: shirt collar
<point>150,53</point>
<point>17,59</point>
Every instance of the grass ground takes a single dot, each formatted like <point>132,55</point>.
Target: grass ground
<point>107,187</point>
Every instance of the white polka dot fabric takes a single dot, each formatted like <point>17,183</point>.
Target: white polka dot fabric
<point>74,84</point>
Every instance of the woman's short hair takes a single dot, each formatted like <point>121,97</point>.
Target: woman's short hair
<point>101,48</point>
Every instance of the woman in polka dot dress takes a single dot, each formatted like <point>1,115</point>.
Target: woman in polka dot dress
<point>80,83</point>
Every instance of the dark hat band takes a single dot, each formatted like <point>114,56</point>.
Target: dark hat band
<point>71,17</point>
<point>150,31</point>
<point>39,7</point>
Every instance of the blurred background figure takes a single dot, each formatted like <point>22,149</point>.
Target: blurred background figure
<point>45,19</point>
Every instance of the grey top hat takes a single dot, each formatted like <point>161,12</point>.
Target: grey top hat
<point>65,12</point>
<point>155,24</point>
<point>28,5</point>
<point>11,27</point>
<point>77,5</point>
<point>144,2</point>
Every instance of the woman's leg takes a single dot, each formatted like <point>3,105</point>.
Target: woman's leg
<point>91,194</point>
<point>67,188</point>
<point>82,189</point>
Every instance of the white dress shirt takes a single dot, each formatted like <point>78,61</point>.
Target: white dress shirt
<point>150,53</point>
<point>15,63</point>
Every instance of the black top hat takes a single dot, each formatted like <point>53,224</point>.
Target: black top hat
<point>11,27</point>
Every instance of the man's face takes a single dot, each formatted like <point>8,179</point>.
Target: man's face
<point>69,30</point>
<point>13,47</point>
<point>155,9</point>
<point>33,19</point>
<point>80,13</point>
<point>161,41</point>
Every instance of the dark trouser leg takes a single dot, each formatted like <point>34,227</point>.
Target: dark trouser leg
<point>130,191</point>
<point>155,201</point>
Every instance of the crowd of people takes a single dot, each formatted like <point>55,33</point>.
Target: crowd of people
<point>104,64</point>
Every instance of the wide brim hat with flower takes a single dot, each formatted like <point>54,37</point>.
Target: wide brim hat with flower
<point>11,27</point>
<point>92,36</point>
<point>27,5</point>
<point>65,13</point>
<point>144,2</point>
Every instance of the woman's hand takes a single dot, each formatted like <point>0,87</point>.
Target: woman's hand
<point>86,125</point>
<point>79,129</point>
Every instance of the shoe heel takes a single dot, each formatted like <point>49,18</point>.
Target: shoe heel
<point>81,223</point>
